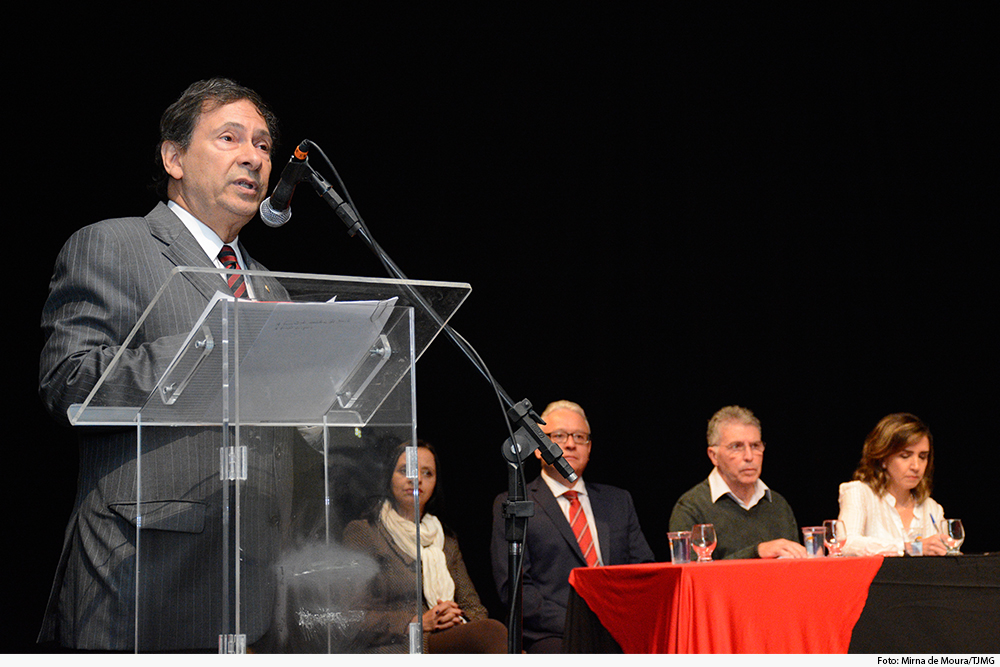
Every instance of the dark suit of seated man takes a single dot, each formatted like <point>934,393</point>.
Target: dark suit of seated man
<point>551,547</point>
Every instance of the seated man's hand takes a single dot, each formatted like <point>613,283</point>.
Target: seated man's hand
<point>781,548</point>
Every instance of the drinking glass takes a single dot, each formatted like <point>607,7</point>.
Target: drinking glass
<point>834,536</point>
<point>680,547</point>
<point>703,541</point>
<point>956,535</point>
<point>813,538</point>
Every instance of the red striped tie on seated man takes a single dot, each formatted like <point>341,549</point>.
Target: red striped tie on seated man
<point>575,525</point>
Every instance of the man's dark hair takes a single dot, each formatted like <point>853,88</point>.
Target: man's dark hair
<point>178,121</point>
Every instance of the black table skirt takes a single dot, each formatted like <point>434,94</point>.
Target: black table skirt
<point>949,604</point>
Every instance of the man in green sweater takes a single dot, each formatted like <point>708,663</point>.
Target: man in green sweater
<point>750,519</point>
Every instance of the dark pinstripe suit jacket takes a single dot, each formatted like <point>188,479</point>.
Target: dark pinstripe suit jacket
<point>104,278</point>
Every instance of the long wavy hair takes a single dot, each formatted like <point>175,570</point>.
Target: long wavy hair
<point>891,435</point>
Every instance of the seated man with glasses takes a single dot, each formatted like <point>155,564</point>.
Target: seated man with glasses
<point>575,525</point>
<point>750,519</point>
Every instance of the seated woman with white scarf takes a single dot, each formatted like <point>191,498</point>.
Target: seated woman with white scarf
<point>454,620</point>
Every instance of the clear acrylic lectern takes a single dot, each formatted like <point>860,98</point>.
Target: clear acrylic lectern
<point>264,437</point>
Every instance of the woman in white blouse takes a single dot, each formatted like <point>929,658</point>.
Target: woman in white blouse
<point>888,504</point>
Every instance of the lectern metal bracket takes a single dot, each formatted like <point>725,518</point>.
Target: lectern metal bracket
<point>364,372</point>
<point>170,388</point>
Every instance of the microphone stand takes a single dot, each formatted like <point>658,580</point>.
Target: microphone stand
<point>517,509</point>
<point>523,421</point>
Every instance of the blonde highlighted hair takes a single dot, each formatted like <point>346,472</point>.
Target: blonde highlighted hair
<point>891,435</point>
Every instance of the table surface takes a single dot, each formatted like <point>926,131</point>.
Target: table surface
<point>821,605</point>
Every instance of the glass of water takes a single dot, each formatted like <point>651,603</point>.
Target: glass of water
<point>680,547</point>
<point>813,539</point>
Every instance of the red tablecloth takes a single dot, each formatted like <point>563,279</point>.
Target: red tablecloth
<point>736,606</point>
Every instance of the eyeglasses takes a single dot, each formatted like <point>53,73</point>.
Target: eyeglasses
<point>560,437</point>
<point>737,447</point>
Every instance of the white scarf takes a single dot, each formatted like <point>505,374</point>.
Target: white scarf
<point>437,581</point>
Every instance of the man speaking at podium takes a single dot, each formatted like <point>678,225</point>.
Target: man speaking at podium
<point>215,151</point>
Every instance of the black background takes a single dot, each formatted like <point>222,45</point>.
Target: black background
<point>660,212</point>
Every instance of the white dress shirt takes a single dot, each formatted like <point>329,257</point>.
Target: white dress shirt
<point>209,240</point>
<point>558,490</point>
<point>873,524</point>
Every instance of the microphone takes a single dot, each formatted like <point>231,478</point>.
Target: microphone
<point>276,210</point>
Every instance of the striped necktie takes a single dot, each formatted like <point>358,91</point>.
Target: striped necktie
<point>578,522</point>
<point>236,283</point>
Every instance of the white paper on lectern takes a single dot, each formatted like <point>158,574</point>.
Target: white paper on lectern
<point>293,356</point>
<point>324,344</point>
